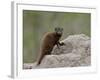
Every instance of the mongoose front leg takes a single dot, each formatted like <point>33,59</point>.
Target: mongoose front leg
<point>60,44</point>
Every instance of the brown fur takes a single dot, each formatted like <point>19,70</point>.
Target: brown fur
<point>48,42</point>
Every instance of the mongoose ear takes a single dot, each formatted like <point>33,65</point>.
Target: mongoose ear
<point>57,29</point>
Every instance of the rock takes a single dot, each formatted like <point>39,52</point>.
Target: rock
<point>76,52</point>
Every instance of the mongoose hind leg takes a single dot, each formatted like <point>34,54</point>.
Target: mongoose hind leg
<point>40,59</point>
<point>42,56</point>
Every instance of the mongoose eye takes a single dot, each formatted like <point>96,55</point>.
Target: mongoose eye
<point>58,29</point>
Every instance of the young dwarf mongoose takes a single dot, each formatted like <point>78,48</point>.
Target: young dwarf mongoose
<point>49,41</point>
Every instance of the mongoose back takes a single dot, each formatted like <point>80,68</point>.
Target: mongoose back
<point>48,42</point>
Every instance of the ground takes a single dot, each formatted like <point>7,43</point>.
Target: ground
<point>75,53</point>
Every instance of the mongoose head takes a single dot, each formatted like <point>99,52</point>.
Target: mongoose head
<point>59,30</point>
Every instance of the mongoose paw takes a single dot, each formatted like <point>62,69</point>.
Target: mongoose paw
<point>62,44</point>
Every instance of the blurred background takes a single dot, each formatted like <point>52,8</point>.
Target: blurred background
<point>37,23</point>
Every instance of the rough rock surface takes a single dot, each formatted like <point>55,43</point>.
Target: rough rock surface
<point>75,52</point>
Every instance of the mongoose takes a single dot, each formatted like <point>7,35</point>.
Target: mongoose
<point>49,41</point>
